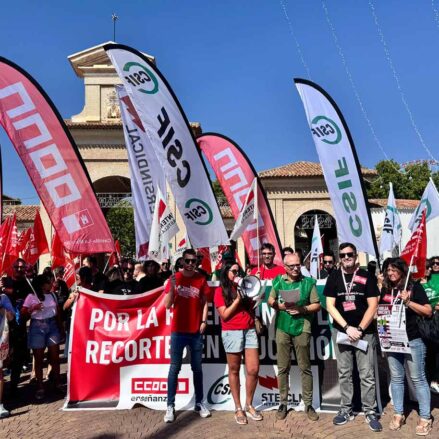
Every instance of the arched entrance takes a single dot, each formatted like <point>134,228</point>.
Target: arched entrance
<point>303,230</point>
<point>111,190</point>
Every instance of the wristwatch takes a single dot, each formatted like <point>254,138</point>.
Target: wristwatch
<point>345,327</point>
<point>204,321</point>
<point>359,328</point>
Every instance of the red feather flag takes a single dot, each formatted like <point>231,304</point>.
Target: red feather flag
<point>415,252</point>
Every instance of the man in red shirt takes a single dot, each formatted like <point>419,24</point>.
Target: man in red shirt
<point>186,292</point>
<point>268,270</point>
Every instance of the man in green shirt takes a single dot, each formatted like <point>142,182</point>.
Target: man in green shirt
<point>293,329</point>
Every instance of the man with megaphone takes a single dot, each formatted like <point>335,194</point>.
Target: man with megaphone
<point>295,299</point>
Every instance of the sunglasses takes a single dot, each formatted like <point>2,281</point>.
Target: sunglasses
<point>328,262</point>
<point>20,267</point>
<point>234,271</point>
<point>267,254</point>
<point>435,263</point>
<point>190,261</point>
<point>347,255</point>
<point>292,266</point>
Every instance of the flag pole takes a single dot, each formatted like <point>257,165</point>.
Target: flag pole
<point>257,224</point>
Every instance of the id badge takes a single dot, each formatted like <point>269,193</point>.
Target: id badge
<point>349,306</point>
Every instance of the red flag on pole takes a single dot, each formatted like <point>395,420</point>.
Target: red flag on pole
<point>40,235</point>
<point>415,251</point>
<point>58,256</point>
<point>115,256</point>
<point>23,239</point>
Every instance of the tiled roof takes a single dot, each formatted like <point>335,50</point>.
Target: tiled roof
<point>25,212</point>
<point>302,169</point>
<point>226,211</point>
<point>400,204</point>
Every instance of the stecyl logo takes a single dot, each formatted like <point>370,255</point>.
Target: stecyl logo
<point>326,130</point>
<point>141,77</point>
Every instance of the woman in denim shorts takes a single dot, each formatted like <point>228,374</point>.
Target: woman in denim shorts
<point>239,337</point>
<point>42,308</point>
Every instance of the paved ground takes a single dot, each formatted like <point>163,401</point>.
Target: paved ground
<point>31,419</point>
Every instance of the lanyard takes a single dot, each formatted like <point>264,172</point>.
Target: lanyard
<point>348,286</point>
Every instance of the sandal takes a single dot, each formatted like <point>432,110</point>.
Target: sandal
<point>397,422</point>
<point>242,418</point>
<point>424,427</point>
<point>254,414</point>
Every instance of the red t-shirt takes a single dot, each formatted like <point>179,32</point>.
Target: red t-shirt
<point>269,273</point>
<point>188,304</point>
<point>242,319</point>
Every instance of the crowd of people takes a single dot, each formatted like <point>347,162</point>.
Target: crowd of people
<point>38,309</point>
<point>352,297</point>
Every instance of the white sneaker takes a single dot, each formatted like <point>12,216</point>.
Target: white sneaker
<point>202,410</point>
<point>4,413</point>
<point>434,387</point>
<point>169,416</point>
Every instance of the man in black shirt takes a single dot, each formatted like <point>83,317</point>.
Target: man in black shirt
<point>352,300</point>
<point>328,264</point>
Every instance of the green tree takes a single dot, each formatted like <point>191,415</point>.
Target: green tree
<point>218,191</point>
<point>407,184</point>
<point>120,219</point>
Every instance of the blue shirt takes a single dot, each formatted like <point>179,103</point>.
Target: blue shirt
<point>7,305</point>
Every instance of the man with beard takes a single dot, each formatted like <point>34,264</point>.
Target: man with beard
<point>352,300</point>
<point>268,269</point>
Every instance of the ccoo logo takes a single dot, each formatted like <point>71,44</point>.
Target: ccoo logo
<point>141,78</point>
<point>326,130</point>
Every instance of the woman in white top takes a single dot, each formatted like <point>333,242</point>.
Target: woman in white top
<point>42,308</point>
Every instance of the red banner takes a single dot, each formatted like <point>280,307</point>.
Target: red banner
<point>235,174</point>
<point>111,334</point>
<point>52,161</point>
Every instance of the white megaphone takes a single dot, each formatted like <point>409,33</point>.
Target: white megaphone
<point>250,287</point>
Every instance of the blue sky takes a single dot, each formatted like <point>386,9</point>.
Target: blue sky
<point>231,64</point>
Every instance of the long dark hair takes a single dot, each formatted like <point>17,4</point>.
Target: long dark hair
<point>229,289</point>
<point>402,267</point>
<point>38,283</point>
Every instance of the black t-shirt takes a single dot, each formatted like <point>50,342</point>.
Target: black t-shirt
<point>121,287</point>
<point>99,281</point>
<point>352,306</point>
<point>149,283</point>
<point>417,295</point>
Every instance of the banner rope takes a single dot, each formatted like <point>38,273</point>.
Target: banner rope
<point>397,81</point>
<point>353,85</point>
<point>296,42</point>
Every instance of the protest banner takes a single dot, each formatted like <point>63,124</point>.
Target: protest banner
<point>119,357</point>
<point>340,166</point>
<point>174,144</point>
<point>53,162</point>
<point>235,174</point>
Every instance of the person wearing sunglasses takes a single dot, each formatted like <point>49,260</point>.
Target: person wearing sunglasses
<point>239,340</point>
<point>268,269</point>
<point>293,330</point>
<point>352,300</point>
<point>186,292</point>
<point>328,264</point>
